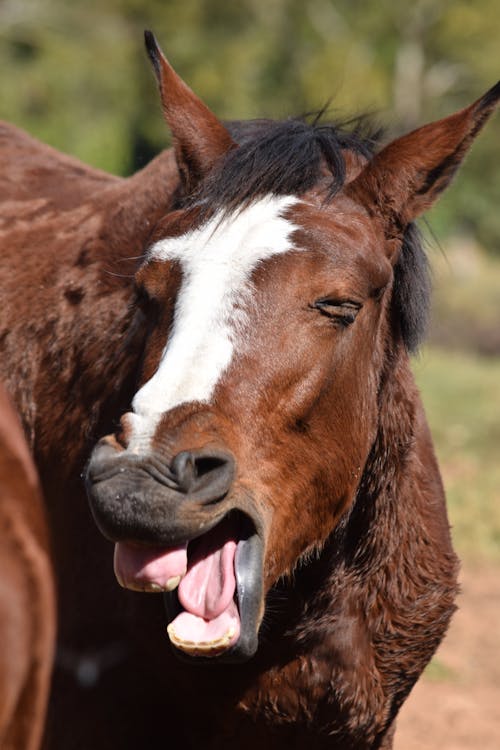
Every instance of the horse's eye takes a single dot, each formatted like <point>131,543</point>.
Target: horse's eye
<point>340,311</point>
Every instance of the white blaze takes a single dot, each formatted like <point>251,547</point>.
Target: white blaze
<point>217,260</point>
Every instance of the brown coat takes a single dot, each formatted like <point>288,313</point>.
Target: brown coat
<point>27,606</point>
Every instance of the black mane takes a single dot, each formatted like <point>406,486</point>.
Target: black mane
<point>286,158</point>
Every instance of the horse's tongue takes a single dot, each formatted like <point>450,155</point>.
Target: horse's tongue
<point>208,587</point>
<point>146,569</point>
<point>209,622</point>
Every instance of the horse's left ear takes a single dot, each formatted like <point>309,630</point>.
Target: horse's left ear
<point>200,139</point>
<point>408,175</point>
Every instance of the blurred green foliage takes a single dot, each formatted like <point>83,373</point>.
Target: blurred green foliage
<point>466,300</point>
<point>75,75</point>
<point>459,377</point>
<point>461,395</point>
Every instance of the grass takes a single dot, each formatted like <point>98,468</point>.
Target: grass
<point>461,393</point>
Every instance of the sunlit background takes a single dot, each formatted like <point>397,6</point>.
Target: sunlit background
<point>74,74</point>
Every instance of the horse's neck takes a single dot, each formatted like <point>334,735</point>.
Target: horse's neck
<point>398,571</point>
<point>400,497</point>
<point>375,588</point>
<point>67,330</point>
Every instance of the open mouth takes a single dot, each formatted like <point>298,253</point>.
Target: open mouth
<point>212,586</point>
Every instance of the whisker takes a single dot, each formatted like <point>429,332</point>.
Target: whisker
<point>119,275</point>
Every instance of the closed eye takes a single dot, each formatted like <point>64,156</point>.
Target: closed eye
<point>342,312</point>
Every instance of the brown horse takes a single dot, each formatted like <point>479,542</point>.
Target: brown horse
<point>272,472</point>
<point>27,606</point>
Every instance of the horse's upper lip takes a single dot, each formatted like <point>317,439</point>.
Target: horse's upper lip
<point>129,503</point>
<point>150,464</point>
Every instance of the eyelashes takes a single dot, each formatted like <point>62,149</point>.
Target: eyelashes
<point>342,312</point>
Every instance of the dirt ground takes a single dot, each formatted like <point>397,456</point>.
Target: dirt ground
<point>456,704</point>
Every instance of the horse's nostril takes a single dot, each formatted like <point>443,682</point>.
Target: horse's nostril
<point>205,476</point>
<point>206,464</point>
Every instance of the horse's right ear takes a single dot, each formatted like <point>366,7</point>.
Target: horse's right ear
<point>200,139</point>
<point>408,175</point>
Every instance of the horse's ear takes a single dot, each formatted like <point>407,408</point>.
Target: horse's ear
<point>408,175</point>
<point>200,139</point>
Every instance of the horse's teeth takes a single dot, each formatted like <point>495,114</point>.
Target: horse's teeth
<point>204,647</point>
<point>172,583</point>
<point>150,586</point>
<point>154,588</point>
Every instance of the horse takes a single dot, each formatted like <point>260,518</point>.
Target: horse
<point>27,607</point>
<point>237,320</point>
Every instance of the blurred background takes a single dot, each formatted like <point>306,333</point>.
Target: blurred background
<point>74,74</point>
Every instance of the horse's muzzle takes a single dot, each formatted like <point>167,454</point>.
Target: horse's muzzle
<point>186,509</point>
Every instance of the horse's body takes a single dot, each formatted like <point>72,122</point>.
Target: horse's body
<point>65,229</point>
<point>27,608</point>
<point>358,594</point>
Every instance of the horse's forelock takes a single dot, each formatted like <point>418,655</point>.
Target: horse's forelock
<point>281,158</point>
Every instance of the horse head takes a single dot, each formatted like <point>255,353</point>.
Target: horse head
<point>278,297</point>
